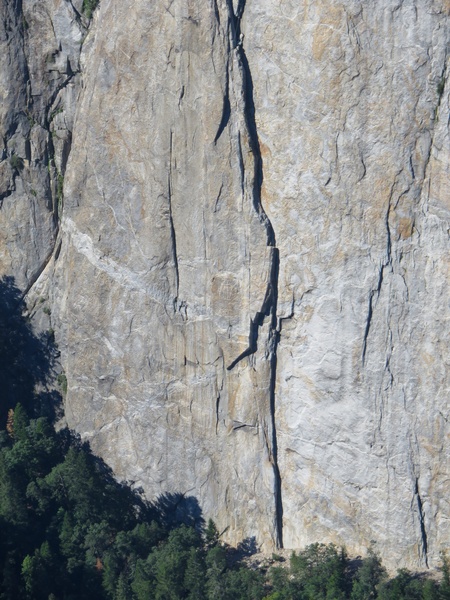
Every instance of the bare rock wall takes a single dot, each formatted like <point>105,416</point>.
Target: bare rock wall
<point>249,286</point>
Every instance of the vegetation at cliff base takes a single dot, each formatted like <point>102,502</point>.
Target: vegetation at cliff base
<point>70,531</point>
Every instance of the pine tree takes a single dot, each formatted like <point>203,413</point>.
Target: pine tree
<point>368,577</point>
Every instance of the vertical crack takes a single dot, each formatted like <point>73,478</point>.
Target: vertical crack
<point>273,345</point>
<point>268,309</point>
<point>249,115</point>
<point>172,227</point>
<point>217,411</point>
<point>270,302</point>
<point>440,93</point>
<point>218,399</point>
<point>423,531</point>
<point>375,294</point>
<point>226,108</point>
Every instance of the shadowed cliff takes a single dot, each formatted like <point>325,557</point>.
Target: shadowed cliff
<point>26,360</point>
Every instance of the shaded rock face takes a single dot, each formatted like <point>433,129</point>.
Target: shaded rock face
<point>40,43</point>
<point>250,285</point>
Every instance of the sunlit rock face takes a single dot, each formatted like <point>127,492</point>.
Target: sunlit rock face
<point>249,276</point>
<point>352,115</point>
<point>165,285</point>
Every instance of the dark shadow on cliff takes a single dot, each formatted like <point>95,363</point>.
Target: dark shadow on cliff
<point>175,509</point>
<point>169,510</point>
<point>26,360</point>
<point>248,547</point>
<point>27,372</point>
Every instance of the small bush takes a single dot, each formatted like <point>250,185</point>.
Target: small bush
<point>277,557</point>
<point>62,382</point>
<point>60,187</point>
<point>16,162</point>
<point>55,112</point>
<point>30,118</point>
<point>88,7</point>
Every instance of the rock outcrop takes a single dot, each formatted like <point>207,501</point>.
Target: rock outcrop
<point>249,279</point>
<point>40,45</point>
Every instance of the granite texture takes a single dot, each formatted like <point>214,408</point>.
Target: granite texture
<point>249,277</point>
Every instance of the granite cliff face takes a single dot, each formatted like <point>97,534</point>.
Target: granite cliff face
<point>249,277</point>
<point>39,78</point>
